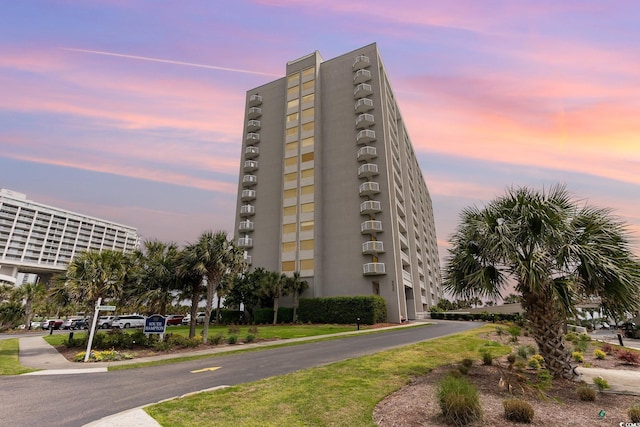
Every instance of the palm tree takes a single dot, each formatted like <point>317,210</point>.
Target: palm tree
<point>190,285</point>
<point>213,256</point>
<point>31,293</point>
<point>273,286</point>
<point>556,250</point>
<point>156,273</point>
<point>296,286</point>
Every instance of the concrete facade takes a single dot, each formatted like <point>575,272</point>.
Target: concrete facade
<point>40,239</point>
<point>330,185</point>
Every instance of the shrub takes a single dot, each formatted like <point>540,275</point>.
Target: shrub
<point>571,336</point>
<point>162,345</point>
<point>232,339</point>
<point>628,357</point>
<point>599,354</point>
<point>586,393</point>
<point>577,356</point>
<point>634,413</point>
<point>533,363</point>
<point>487,357</point>
<point>515,332</point>
<point>217,339</point>
<point>545,380</point>
<point>524,351</point>
<point>250,338</point>
<point>519,365</point>
<point>511,358</point>
<point>499,331</point>
<point>234,329</point>
<point>458,400</point>
<point>607,348</point>
<point>253,329</point>
<point>601,383</point>
<point>518,411</point>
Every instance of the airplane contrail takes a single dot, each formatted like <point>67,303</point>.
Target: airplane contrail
<point>168,61</point>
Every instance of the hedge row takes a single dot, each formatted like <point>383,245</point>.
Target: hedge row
<point>486,317</point>
<point>343,310</point>
<point>263,316</point>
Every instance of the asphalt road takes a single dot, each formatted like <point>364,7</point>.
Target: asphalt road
<point>74,400</point>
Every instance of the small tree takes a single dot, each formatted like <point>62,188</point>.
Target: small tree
<point>296,287</point>
<point>273,286</point>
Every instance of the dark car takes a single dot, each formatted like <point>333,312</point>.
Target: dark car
<point>174,319</point>
<point>80,324</point>
<point>51,324</point>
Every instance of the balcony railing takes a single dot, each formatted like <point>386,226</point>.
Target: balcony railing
<point>245,242</point>
<point>361,76</point>
<point>363,90</point>
<point>361,62</point>
<point>370,207</point>
<point>373,269</point>
<point>254,112</point>
<point>249,180</point>
<point>251,152</point>
<point>367,153</point>
<point>253,125</point>
<point>364,121</point>
<point>247,210</point>
<point>245,226</point>
<point>248,195</point>
<point>371,227</point>
<point>369,188</point>
<point>365,136</point>
<point>255,100</point>
<point>248,259</point>
<point>253,138</point>
<point>250,165</point>
<point>367,170</point>
<point>372,247</point>
<point>363,105</point>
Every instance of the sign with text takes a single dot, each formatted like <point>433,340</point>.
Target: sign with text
<point>107,308</point>
<point>155,324</point>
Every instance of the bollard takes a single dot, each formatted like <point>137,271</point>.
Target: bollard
<point>70,336</point>
<point>358,322</point>
<point>620,340</point>
<point>51,327</point>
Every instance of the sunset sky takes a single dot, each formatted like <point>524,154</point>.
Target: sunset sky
<point>133,111</point>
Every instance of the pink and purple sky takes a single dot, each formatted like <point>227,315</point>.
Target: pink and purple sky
<point>132,111</point>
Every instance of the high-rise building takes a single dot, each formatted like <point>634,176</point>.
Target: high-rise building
<point>36,238</point>
<point>330,185</point>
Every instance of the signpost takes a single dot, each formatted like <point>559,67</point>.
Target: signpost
<point>99,308</point>
<point>156,324</point>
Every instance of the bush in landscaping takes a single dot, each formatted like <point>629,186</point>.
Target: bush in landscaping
<point>524,351</point>
<point>511,358</point>
<point>228,317</point>
<point>458,400</point>
<point>253,330</point>
<point>577,356</point>
<point>518,411</point>
<point>571,337</point>
<point>599,354</point>
<point>232,339</point>
<point>487,357</point>
<point>634,413</point>
<point>533,363</point>
<point>628,357</point>
<point>586,393</point>
<point>250,338</point>
<point>515,332</point>
<point>545,380</point>
<point>369,309</point>
<point>607,348</point>
<point>234,329</point>
<point>601,383</point>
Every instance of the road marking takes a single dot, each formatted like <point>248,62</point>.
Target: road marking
<point>213,368</point>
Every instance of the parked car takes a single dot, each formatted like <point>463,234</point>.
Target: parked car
<point>128,321</point>
<point>80,324</point>
<point>174,319</point>
<point>199,319</point>
<point>104,322</point>
<point>51,323</point>
<point>67,323</point>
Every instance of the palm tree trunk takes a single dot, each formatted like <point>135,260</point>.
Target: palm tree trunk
<point>276,303</point>
<point>295,306</point>
<point>218,311</point>
<point>194,314</point>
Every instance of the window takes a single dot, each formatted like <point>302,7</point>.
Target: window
<point>307,157</point>
<point>308,142</point>
<point>288,266</point>
<point>289,228</point>
<point>308,127</point>
<point>293,91</point>
<point>306,207</point>
<point>290,161</point>
<point>308,85</point>
<point>308,98</point>
<point>306,190</point>
<point>290,210</point>
<point>292,131</point>
<point>293,79</point>
<point>293,176</point>
<point>306,264</point>
<point>292,117</point>
<point>291,146</point>
<point>293,103</point>
<point>307,113</point>
<point>289,247</point>
<point>307,173</point>
<point>306,226</point>
<point>306,245</point>
<point>292,192</point>
<point>308,72</point>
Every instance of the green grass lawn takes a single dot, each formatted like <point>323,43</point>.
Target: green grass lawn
<point>343,393</point>
<point>9,363</point>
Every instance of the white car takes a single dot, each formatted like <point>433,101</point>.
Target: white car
<point>105,322</point>
<point>128,321</point>
<point>199,319</point>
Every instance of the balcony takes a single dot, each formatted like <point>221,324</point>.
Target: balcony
<point>250,165</point>
<point>251,152</point>
<point>253,138</point>
<point>367,153</point>
<point>370,207</point>
<point>248,259</point>
<point>254,112</point>
<point>361,76</point>
<point>363,90</point>
<point>249,180</point>
<point>245,226</point>
<point>363,105</point>
<point>405,258</point>
<point>373,269</point>
<point>255,100</point>
<point>253,125</point>
<point>247,210</point>
<point>361,62</point>
<point>364,121</point>
<point>365,136</point>
<point>372,247</point>
<point>245,242</point>
<point>367,170</point>
<point>371,227</point>
<point>369,188</point>
<point>248,195</point>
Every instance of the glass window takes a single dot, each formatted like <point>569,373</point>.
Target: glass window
<point>290,210</point>
<point>307,157</point>
<point>306,264</point>
<point>306,207</point>
<point>292,131</point>
<point>306,226</point>
<point>291,146</point>
<point>292,117</point>
<point>289,247</point>
<point>307,173</point>
<point>308,142</point>
<point>289,228</point>
<point>308,127</point>
<point>293,176</point>
<point>288,266</point>
<point>308,72</point>
<point>308,113</point>
<point>293,78</point>
<point>292,192</point>
<point>308,98</point>
<point>290,161</point>
<point>306,245</point>
<point>308,85</point>
<point>306,190</point>
<point>293,91</point>
<point>293,103</point>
